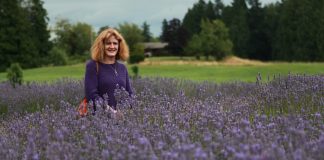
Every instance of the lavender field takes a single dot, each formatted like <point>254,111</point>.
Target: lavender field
<point>168,119</point>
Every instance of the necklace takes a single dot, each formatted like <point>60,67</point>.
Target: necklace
<point>114,68</point>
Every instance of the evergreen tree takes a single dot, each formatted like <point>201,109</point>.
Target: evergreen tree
<point>259,46</point>
<point>174,33</point>
<point>210,11</point>
<point>164,35</point>
<point>174,46</point>
<point>37,16</point>
<point>16,40</point>
<point>219,7</point>
<point>9,15</point>
<point>146,32</point>
<point>320,35</point>
<point>271,17</point>
<point>235,18</point>
<point>299,24</point>
<point>193,17</point>
<point>24,37</point>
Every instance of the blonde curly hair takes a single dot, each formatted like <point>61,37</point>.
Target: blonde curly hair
<point>98,47</point>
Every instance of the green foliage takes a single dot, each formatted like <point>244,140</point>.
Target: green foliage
<point>176,36</point>
<point>58,57</point>
<point>259,46</point>
<point>138,49</point>
<point>136,58</point>
<point>213,40</point>
<point>24,37</point>
<point>194,46</point>
<point>290,30</point>
<point>135,71</point>
<point>236,18</point>
<point>146,32</point>
<point>15,74</point>
<point>76,39</point>
<point>132,34</point>
<point>138,54</point>
<point>3,109</point>
<point>300,31</point>
<point>192,19</point>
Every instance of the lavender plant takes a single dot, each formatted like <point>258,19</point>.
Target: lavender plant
<point>170,119</point>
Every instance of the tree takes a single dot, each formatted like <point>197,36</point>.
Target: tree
<point>132,34</point>
<point>194,46</point>
<point>216,39</point>
<point>219,7</point>
<point>23,33</point>
<point>213,40</point>
<point>174,33</point>
<point>320,35</point>
<point>210,11</point>
<point>259,46</point>
<point>37,16</point>
<point>146,32</point>
<point>271,17</point>
<point>164,35</point>
<point>82,38</point>
<point>62,30</point>
<point>10,12</point>
<point>173,29</point>
<point>235,18</point>
<point>193,17</point>
<point>298,28</point>
<point>75,39</point>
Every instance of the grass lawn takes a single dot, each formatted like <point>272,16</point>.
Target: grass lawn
<point>226,73</point>
<point>185,69</point>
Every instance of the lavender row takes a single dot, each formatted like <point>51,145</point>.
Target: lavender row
<point>172,119</point>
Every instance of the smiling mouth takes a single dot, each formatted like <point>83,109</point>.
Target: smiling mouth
<point>111,50</point>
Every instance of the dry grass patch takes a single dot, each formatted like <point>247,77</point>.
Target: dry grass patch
<point>231,60</point>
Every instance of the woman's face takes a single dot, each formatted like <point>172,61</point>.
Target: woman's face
<point>111,46</point>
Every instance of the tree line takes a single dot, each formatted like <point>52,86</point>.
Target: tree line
<point>290,30</point>
<point>24,37</point>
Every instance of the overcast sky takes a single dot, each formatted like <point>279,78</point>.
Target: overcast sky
<point>100,13</point>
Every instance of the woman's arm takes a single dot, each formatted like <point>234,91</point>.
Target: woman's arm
<point>128,85</point>
<point>91,81</point>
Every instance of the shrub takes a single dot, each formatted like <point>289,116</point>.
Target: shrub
<point>137,54</point>
<point>15,74</point>
<point>135,71</point>
<point>136,59</point>
<point>58,57</point>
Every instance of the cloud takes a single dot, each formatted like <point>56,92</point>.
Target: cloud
<point>100,13</point>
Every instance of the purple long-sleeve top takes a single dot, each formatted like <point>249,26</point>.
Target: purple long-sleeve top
<point>105,81</point>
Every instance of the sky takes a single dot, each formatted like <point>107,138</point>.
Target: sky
<point>100,13</point>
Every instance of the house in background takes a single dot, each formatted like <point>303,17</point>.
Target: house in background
<point>155,49</point>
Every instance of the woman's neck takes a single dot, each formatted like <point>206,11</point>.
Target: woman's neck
<point>109,60</point>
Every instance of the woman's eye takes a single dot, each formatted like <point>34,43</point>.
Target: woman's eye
<point>114,43</point>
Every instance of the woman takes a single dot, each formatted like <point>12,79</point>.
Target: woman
<point>104,73</point>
